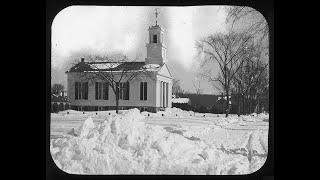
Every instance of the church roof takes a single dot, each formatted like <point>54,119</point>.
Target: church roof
<point>180,100</point>
<point>113,66</point>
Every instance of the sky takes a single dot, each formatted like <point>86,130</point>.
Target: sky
<point>77,30</point>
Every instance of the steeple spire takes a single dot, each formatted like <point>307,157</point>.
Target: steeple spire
<point>156,13</point>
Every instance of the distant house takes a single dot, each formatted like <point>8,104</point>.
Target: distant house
<point>221,104</point>
<point>59,102</point>
<point>145,93</point>
<point>224,98</point>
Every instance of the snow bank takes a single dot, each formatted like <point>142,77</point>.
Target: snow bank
<point>263,116</point>
<point>223,121</point>
<point>70,112</point>
<point>176,111</point>
<point>85,128</point>
<point>256,117</point>
<point>124,144</point>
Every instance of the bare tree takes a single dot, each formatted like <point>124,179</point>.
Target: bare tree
<point>229,51</point>
<point>251,81</point>
<point>251,21</point>
<point>113,70</point>
<point>57,89</point>
<point>262,85</point>
<point>176,88</point>
<point>196,85</point>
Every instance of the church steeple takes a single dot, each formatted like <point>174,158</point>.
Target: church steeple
<point>156,50</point>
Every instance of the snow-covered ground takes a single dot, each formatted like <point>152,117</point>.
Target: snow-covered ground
<point>168,142</point>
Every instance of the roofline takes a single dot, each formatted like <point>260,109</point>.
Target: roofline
<point>168,69</point>
<point>165,76</point>
<point>113,71</point>
<point>105,62</point>
<point>101,62</point>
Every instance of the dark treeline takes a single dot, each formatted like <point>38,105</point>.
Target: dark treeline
<point>206,103</point>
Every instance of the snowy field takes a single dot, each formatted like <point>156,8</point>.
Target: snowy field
<point>168,142</point>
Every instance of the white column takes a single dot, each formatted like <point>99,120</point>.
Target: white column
<point>164,95</point>
<point>167,93</point>
<point>160,93</point>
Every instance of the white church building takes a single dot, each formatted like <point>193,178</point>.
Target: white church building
<point>147,93</point>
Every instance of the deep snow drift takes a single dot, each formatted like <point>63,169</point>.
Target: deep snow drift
<point>125,144</point>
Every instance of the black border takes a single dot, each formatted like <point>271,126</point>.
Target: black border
<point>55,6</point>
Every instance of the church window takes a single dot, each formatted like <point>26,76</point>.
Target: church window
<point>102,91</point>
<point>155,38</point>
<point>123,89</point>
<point>143,91</point>
<point>81,90</point>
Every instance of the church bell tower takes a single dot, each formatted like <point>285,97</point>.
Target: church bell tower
<point>156,50</point>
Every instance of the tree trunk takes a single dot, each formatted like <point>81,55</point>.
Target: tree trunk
<point>239,101</point>
<point>252,103</point>
<point>249,105</point>
<point>258,105</point>
<point>228,107</point>
<point>117,98</point>
<point>117,105</point>
<point>244,108</point>
<point>246,104</point>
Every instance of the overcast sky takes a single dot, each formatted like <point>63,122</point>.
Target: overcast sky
<point>101,30</point>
